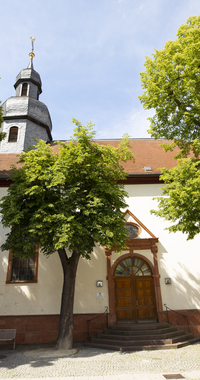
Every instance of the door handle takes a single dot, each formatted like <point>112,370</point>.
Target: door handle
<point>136,303</point>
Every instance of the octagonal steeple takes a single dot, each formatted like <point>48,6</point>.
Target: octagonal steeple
<point>25,117</point>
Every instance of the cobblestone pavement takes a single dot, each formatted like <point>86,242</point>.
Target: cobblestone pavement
<point>88,363</point>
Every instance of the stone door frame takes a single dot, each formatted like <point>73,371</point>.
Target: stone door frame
<point>137,244</point>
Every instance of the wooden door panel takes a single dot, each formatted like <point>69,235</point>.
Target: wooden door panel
<point>146,299</point>
<point>125,315</point>
<point>135,299</point>
<point>130,314</point>
<point>141,301</point>
<point>144,293</point>
<point>119,293</point>
<point>127,293</point>
<point>148,292</point>
<point>145,314</point>
<point>119,284</point>
<point>124,299</point>
<point>124,293</point>
<point>124,302</point>
<point>143,283</point>
<point>149,301</point>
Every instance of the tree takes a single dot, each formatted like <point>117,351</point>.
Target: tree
<point>172,87</point>
<point>2,134</point>
<point>67,200</point>
<point>180,201</point>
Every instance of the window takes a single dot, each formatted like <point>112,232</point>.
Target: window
<point>133,230</point>
<point>22,270</point>
<point>132,267</point>
<point>24,89</point>
<point>13,134</point>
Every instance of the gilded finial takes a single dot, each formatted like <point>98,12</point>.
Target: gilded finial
<point>31,54</point>
<point>32,41</point>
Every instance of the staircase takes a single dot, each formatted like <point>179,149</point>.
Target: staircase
<point>138,337</point>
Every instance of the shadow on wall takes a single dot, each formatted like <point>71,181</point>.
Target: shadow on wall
<point>50,271</point>
<point>5,265</point>
<point>35,298</point>
<point>183,293</point>
<point>189,287</point>
<point>89,272</point>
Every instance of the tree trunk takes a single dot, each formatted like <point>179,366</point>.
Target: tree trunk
<point>69,265</point>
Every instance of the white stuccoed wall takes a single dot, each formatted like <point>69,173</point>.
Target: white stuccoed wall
<point>27,133</point>
<point>177,258</point>
<point>13,147</point>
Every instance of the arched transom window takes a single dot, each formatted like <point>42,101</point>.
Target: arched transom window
<point>132,266</point>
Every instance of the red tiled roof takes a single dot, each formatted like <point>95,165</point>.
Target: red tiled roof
<point>147,152</point>
<point>6,161</point>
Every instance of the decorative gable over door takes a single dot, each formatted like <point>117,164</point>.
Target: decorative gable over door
<point>140,239</point>
<point>145,239</point>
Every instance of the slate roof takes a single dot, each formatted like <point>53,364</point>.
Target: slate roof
<point>147,152</point>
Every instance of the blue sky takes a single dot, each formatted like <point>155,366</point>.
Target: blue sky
<point>89,54</point>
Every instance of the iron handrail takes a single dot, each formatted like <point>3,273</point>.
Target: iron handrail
<point>185,316</point>
<point>97,316</point>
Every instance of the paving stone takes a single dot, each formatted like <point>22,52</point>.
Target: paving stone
<point>194,375</point>
<point>88,363</point>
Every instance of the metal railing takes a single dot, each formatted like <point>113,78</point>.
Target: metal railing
<point>97,316</point>
<point>185,316</point>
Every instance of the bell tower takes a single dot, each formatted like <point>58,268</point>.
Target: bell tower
<point>25,117</point>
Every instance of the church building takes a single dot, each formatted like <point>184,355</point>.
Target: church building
<point>157,269</point>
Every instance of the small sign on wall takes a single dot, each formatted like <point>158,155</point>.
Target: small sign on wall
<point>100,295</point>
<point>99,284</point>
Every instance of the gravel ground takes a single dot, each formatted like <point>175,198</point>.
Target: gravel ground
<point>24,362</point>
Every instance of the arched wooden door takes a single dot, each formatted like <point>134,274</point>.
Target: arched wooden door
<point>134,291</point>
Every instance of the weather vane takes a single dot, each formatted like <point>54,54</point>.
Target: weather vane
<point>32,40</point>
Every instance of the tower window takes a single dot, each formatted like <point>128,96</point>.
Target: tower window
<point>24,89</point>
<point>13,134</point>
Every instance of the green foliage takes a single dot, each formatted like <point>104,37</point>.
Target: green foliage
<point>172,87</point>
<point>180,202</point>
<point>2,134</point>
<point>67,197</point>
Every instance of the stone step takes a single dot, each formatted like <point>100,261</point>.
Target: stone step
<point>129,337</point>
<point>162,347</point>
<point>140,348</point>
<point>142,342</point>
<point>139,326</point>
<point>146,336</point>
<point>141,332</point>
